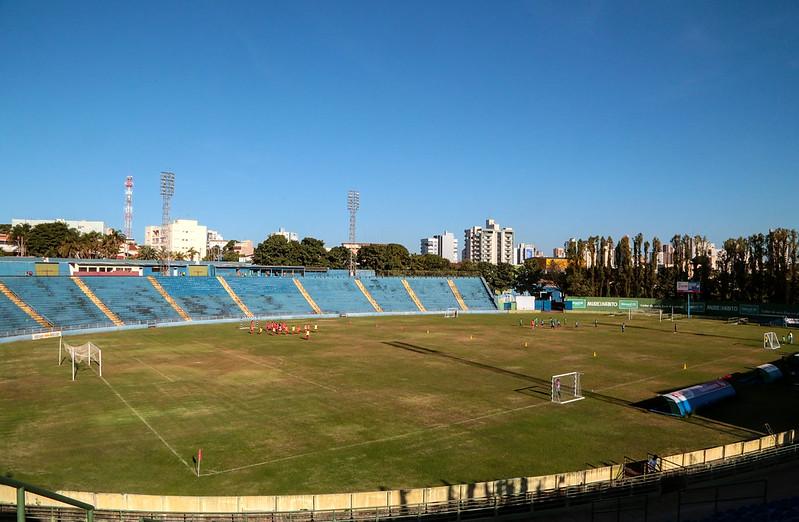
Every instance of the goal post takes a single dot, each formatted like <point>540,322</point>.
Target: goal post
<point>770,341</point>
<point>451,313</point>
<point>567,387</point>
<point>84,353</point>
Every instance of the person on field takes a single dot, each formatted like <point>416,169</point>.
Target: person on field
<point>557,389</point>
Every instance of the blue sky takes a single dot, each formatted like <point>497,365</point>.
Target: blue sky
<point>556,118</point>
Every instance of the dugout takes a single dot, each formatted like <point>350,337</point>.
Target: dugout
<point>684,402</point>
<point>769,373</point>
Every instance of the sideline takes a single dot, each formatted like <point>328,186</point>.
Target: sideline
<point>131,408</point>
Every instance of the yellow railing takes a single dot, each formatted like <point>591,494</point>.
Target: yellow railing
<point>413,296</point>
<point>160,289</point>
<point>457,294</point>
<point>97,302</point>
<point>367,295</point>
<point>235,297</point>
<point>307,296</point>
<point>22,305</point>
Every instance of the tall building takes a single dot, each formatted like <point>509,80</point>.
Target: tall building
<point>444,245</point>
<point>559,253</point>
<point>215,239</point>
<point>183,235</point>
<point>429,245</point>
<point>490,244</point>
<point>524,251</point>
<point>290,236</point>
<point>80,225</point>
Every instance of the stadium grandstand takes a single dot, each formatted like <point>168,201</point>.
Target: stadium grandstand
<point>38,295</point>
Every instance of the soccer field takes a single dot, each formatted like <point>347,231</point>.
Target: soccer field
<point>369,403</point>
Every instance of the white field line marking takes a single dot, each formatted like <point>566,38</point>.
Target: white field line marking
<point>156,370</point>
<point>170,448</point>
<point>261,363</point>
<point>621,385</point>
<point>376,441</point>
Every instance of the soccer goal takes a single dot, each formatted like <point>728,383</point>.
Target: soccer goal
<point>451,313</point>
<point>84,353</point>
<point>770,341</point>
<point>566,388</point>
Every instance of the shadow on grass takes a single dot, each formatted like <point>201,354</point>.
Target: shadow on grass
<point>544,384</point>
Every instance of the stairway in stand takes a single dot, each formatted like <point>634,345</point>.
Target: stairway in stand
<point>457,294</point>
<point>235,297</point>
<point>160,289</point>
<point>22,305</point>
<point>97,302</point>
<point>307,297</point>
<point>368,296</point>
<point>413,296</point>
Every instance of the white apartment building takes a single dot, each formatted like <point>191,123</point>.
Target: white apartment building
<point>182,236</point>
<point>215,239</point>
<point>491,243</point>
<point>80,225</point>
<point>290,236</point>
<point>429,245</point>
<point>444,245</point>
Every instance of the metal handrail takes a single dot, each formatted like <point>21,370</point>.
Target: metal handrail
<point>24,487</point>
<point>583,493</point>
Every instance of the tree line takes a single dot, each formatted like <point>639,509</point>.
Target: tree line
<point>58,240</point>
<point>757,268</point>
<point>392,259</point>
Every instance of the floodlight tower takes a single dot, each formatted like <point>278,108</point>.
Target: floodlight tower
<point>167,191</point>
<point>128,228</point>
<point>353,204</point>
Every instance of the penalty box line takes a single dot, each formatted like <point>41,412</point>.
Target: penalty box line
<point>377,441</point>
<point>293,376</point>
<point>149,426</point>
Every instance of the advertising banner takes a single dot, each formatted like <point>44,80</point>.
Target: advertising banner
<point>688,287</point>
<point>45,335</point>
<point>577,304</point>
<point>749,309</point>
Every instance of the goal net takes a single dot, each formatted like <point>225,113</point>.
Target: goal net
<point>82,354</point>
<point>566,388</point>
<point>770,341</point>
<point>451,313</point>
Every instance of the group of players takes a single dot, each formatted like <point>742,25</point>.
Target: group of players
<point>278,328</point>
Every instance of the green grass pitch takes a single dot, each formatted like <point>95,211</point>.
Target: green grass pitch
<point>366,403</point>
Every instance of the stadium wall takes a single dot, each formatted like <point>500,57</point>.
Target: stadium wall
<point>34,333</point>
<point>712,308</point>
<point>398,499</point>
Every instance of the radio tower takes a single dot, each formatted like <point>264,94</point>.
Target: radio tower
<point>128,228</point>
<point>353,204</point>
<point>167,191</point>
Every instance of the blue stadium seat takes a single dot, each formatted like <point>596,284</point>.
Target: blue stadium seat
<point>200,297</point>
<point>434,293</point>
<point>474,293</point>
<point>389,294</point>
<point>59,299</point>
<point>133,299</point>
<point>337,295</point>
<point>270,295</point>
<point>12,318</point>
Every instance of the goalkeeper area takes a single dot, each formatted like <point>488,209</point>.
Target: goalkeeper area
<point>364,404</point>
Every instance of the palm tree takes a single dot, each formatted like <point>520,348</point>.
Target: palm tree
<point>147,252</point>
<point>111,243</point>
<point>20,235</point>
<point>191,253</point>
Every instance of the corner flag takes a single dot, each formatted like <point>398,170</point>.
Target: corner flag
<point>199,460</point>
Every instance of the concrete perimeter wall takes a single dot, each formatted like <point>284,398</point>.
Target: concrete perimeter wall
<point>394,498</point>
